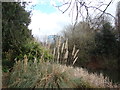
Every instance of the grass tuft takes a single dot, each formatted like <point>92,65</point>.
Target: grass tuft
<point>47,75</point>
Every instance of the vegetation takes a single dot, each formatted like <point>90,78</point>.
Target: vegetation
<point>83,39</point>
<point>59,64</point>
<point>47,75</point>
<point>99,44</point>
<point>33,50</point>
<point>106,46</point>
<point>117,22</point>
<point>15,32</point>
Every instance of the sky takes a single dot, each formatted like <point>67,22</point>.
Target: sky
<point>48,20</point>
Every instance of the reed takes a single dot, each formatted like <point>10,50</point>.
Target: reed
<point>61,52</point>
<point>25,63</point>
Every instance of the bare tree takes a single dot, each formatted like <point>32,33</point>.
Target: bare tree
<point>84,9</point>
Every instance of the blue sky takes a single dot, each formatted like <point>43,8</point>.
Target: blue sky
<point>47,8</point>
<point>48,20</point>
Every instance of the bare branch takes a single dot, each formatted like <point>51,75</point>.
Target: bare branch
<point>67,7</point>
<point>67,3</point>
<point>106,8</point>
<point>103,12</point>
<point>80,5</point>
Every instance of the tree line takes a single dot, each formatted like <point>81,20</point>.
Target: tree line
<point>101,43</point>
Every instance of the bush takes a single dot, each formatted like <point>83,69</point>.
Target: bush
<point>7,61</point>
<point>33,50</point>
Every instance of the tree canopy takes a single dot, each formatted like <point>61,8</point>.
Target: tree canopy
<point>15,32</point>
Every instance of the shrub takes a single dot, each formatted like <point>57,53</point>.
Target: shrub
<point>34,50</point>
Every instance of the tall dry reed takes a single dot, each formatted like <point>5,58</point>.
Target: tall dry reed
<point>61,52</point>
<point>25,63</point>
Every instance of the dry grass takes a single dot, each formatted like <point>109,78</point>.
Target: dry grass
<point>47,75</point>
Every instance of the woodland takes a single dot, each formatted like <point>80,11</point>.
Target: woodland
<point>77,58</point>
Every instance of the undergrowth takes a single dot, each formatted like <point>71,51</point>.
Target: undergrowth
<point>55,73</point>
<point>47,75</point>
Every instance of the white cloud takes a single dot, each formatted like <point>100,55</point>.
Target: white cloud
<point>47,24</point>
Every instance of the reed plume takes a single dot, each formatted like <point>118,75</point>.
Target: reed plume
<point>61,52</point>
<point>25,63</point>
<point>73,50</point>
<point>76,54</point>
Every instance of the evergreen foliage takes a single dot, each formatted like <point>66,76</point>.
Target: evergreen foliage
<point>15,32</point>
<point>105,40</point>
